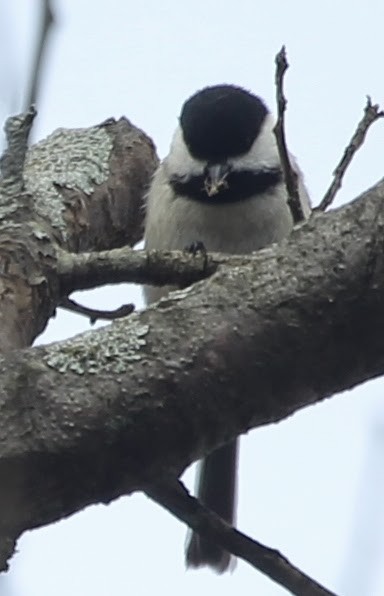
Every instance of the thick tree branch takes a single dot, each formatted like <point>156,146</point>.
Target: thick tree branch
<point>77,190</point>
<point>110,411</point>
<point>89,184</point>
<point>174,497</point>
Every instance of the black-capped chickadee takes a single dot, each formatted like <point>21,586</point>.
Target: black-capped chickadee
<point>221,184</point>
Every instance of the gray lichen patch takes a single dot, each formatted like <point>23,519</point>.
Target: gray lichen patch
<point>75,159</point>
<point>110,349</point>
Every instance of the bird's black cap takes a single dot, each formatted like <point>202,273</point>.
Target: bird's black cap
<point>221,121</point>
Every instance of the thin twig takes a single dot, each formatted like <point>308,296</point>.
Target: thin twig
<point>371,114</point>
<point>46,25</point>
<point>290,176</point>
<point>94,314</point>
<point>17,130</point>
<point>175,498</point>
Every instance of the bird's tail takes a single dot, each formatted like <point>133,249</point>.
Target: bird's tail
<point>216,490</point>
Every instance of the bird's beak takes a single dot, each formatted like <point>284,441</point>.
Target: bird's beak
<point>215,178</point>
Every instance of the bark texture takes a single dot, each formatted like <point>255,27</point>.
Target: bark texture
<point>106,413</point>
<point>77,190</point>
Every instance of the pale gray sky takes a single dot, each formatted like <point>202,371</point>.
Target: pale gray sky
<point>300,488</point>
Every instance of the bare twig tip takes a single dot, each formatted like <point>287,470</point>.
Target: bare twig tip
<point>281,58</point>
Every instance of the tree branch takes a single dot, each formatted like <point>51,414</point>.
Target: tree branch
<point>17,130</point>
<point>77,190</point>
<point>90,270</point>
<point>175,498</point>
<point>95,314</point>
<point>307,313</point>
<point>371,114</point>
<point>47,22</point>
<point>89,184</point>
<point>290,176</point>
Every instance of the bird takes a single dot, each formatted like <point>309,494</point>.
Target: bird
<point>222,186</point>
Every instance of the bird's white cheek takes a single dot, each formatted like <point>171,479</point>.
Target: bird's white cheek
<point>180,162</point>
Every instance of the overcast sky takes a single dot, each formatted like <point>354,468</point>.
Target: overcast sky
<point>311,486</point>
